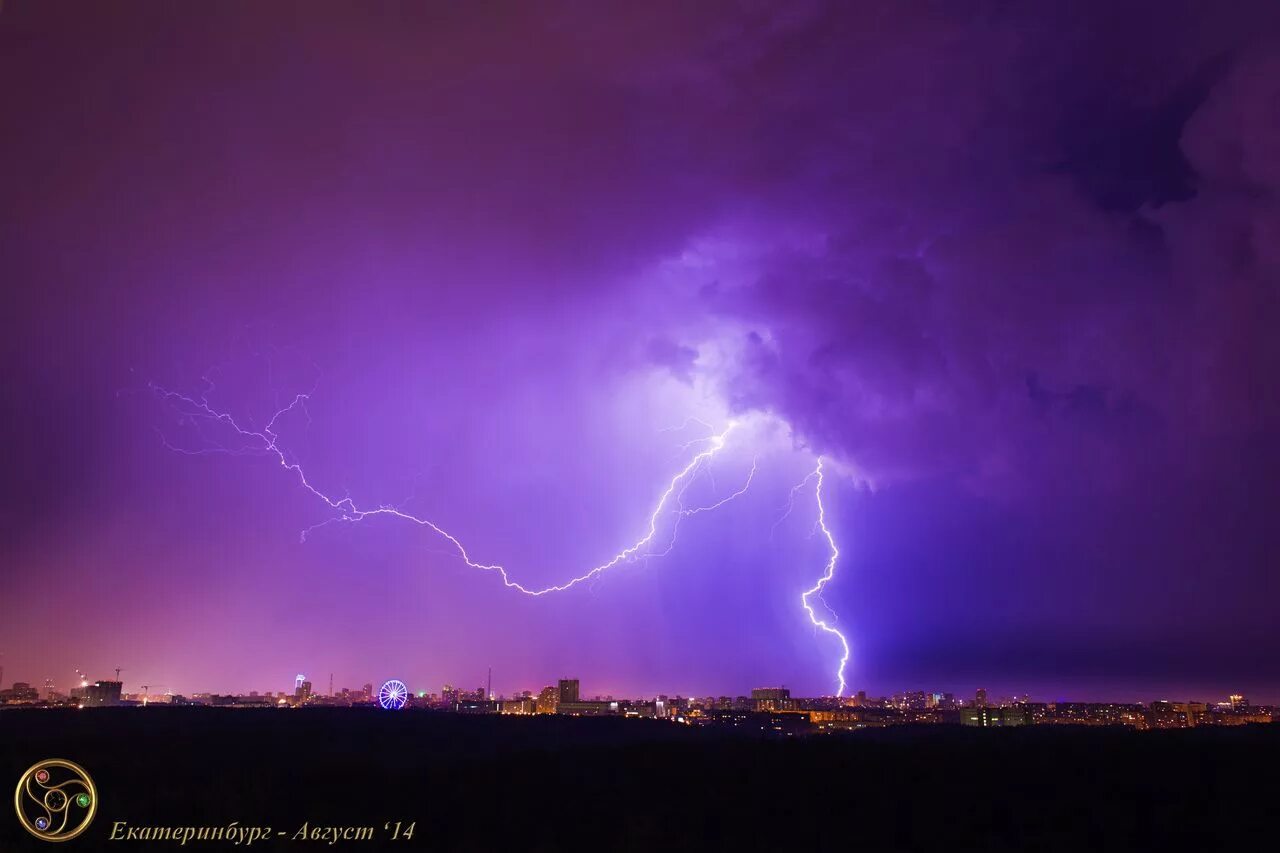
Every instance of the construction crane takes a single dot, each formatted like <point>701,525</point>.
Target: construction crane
<point>146,692</point>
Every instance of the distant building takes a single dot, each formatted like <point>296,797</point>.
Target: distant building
<point>592,708</point>
<point>912,701</point>
<point>768,699</point>
<point>980,698</point>
<point>942,701</point>
<point>1104,714</point>
<point>985,717</point>
<point>769,724</point>
<point>648,710</point>
<point>522,705</point>
<point>548,700</point>
<point>472,705</point>
<point>1176,715</point>
<point>568,690</point>
<point>100,694</point>
<point>856,717</point>
<point>20,693</point>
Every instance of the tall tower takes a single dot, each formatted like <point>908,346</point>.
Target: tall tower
<point>568,690</point>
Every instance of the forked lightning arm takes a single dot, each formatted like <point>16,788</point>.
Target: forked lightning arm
<point>266,441</point>
<point>830,572</point>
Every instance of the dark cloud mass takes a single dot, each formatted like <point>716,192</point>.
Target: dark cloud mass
<point>1028,269</point>
<point>1016,266</point>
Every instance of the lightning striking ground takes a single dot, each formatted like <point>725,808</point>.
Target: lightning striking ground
<point>827,575</point>
<point>266,441</point>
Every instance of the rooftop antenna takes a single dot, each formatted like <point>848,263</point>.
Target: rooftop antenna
<point>118,671</point>
<point>489,687</point>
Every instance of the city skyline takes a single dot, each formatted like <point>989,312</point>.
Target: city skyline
<point>830,345</point>
<point>766,711</point>
<point>421,687</point>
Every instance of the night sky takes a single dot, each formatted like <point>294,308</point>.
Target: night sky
<point>1012,270</point>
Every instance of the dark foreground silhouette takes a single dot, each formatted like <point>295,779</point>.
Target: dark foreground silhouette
<point>554,783</point>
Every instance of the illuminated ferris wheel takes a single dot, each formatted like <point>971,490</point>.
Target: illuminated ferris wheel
<point>393,695</point>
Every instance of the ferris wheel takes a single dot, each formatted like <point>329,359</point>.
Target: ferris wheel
<point>393,695</point>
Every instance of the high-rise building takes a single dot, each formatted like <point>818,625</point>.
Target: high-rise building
<point>302,690</point>
<point>980,698</point>
<point>568,690</point>
<point>548,700</point>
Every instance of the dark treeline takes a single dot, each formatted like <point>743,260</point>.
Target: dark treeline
<point>556,783</point>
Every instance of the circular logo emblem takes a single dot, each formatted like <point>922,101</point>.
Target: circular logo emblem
<point>56,800</point>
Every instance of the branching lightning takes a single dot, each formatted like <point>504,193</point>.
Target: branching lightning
<point>750,476</point>
<point>791,502</point>
<point>266,442</point>
<point>830,572</point>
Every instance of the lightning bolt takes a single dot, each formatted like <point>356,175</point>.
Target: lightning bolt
<point>830,572</point>
<point>791,502</point>
<point>266,442</point>
<point>739,493</point>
